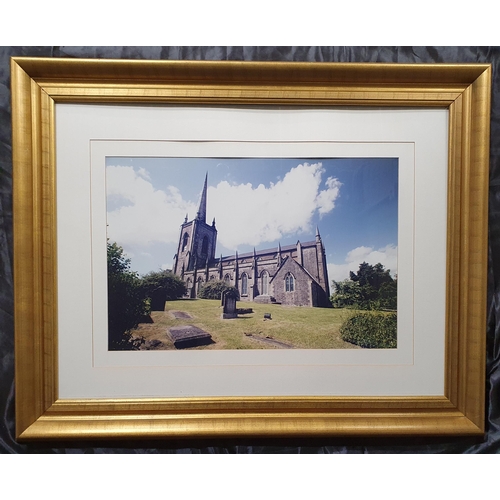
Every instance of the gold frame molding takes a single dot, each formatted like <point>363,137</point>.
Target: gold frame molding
<point>39,83</point>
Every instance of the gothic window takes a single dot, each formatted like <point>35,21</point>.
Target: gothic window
<point>185,241</point>
<point>289,283</point>
<point>204,246</point>
<point>265,280</point>
<point>227,279</point>
<point>244,284</point>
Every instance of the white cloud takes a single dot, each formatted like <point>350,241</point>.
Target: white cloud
<point>387,256</point>
<point>326,198</point>
<point>245,214</point>
<point>252,215</point>
<point>144,173</point>
<point>147,215</point>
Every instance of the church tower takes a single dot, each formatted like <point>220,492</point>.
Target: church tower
<point>322,276</point>
<point>197,240</point>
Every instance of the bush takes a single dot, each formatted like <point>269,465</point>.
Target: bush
<point>160,286</point>
<point>371,330</point>
<point>213,290</point>
<point>126,300</point>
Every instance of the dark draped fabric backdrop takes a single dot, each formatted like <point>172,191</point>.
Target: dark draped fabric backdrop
<point>491,441</point>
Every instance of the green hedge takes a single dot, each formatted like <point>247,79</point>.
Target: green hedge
<point>213,290</point>
<point>160,286</point>
<point>371,330</point>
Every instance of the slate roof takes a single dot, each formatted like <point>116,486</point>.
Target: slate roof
<point>267,251</point>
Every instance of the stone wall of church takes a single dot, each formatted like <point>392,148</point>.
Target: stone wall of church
<point>301,294</point>
<point>310,261</point>
<point>303,261</point>
<point>319,297</point>
<point>255,279</point>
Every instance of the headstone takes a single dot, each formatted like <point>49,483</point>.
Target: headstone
<point>244,310</point>
<point>189,336</point>
<point>229,306</point>
<point>267,316</point>
<point>180,315</point>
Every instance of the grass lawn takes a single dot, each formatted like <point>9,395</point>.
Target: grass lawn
<point>290,327</point>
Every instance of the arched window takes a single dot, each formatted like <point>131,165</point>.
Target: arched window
<point>289,283</point>
<point>185,239</point>
<point>265,281</point>
<point>244,284</point>
<point>227,279</point>
<point>204,246</point>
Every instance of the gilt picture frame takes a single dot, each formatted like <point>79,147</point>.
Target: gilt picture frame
<point>39,85</point>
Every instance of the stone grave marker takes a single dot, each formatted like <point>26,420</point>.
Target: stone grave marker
<point>229,306</point>
<point>189,336</point>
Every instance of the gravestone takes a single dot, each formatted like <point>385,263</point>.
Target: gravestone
<point>229,305</point>
<point>189,336</point>
<point>181,315</point>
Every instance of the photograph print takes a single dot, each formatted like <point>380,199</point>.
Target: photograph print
<point>252,253</point>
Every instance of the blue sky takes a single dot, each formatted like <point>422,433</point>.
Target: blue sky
<point>257,202</point>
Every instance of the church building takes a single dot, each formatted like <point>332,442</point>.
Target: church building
<point>289,275</point>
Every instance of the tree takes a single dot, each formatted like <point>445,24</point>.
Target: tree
<point>347,293</point>
<point>371,287</point>
<point>160,286</point>
<point>126,299</point>
<point>373,276</point>
<point>388,295</point>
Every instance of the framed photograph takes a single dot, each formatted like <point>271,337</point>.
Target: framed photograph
<point>219,249</point>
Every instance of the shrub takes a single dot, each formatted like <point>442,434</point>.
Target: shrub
<point>126,300</point>
<point>371,330</point>
<point>160,286</point>
<point>213,290</point>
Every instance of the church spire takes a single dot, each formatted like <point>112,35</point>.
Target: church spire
<point>202,210</point>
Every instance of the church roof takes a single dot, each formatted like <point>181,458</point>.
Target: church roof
<point>268,251</point>
<point>302,268</point>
